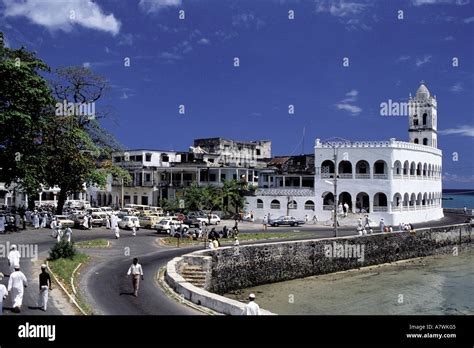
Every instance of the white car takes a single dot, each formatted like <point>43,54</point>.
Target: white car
<point>128,222</point>
<point>213,221</point>
<point>165,226</point>
<point>65,221</point>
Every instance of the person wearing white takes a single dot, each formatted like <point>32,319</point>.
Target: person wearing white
<point>16,285</point>
<point>252,308</point>
<point>382,226</point>
<point>210,245</point>
<point>44,287</point>
<point>107,222</point>
<point>44,217</point>
<point>2,223</point>
<point>136,272</point>
<point>134,231</point>
<point>85,223</point>
<point>114,225</point>
<point>3,294</point>
<point>13,258</point>
<point>53,226</point>
<point>36,221</point>
<point>346,209</point>
<point>68,234</point>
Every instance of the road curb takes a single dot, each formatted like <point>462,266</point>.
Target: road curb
<point>160,278</point>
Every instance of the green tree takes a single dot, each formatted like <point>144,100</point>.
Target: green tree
<point>233,194</point>
<point>193,197</point>
<point>25,107</point>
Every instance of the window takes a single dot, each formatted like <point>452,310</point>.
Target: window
<point>425,141</point>
<point>309,205</point>
<point>147,177</point>
<point>425,117</point>
<point>148,157</point>
<point>165,158</point>
<point>135,199</point>
<point>222,177</point>
<point>416,141</point>
<point>234,176</point>
<point>139,158</point>
<point>275,204</point>
<point>212,177</point>
<point>145,200</point>
<point>117,159</point>
<point>415,122</point>
<point>211,160</point>
<point>257,151</point>
<point>259,204</point>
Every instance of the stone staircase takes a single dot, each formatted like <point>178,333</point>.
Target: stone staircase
<point>194,275</point>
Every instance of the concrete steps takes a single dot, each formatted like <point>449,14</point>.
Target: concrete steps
<point>194,275</point>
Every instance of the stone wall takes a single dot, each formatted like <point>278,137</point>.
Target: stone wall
<point>246,266</point>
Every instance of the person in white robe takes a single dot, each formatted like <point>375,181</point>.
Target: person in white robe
<point>2,224</point>
<point>85,222</point>
<point>107,222</point>
<point>44,219</point>
<point>3,293</point>
<point>68,234</point>
<point>13,258</point>
<point>54,226</point>
<point>36,221</point>
<point>16,285</point>
<point>252,308</point>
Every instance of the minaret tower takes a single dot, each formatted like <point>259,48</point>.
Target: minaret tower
<point>422,126</point>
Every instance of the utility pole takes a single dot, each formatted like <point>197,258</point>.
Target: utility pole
<point>121,198</point>
<point>335,189</point>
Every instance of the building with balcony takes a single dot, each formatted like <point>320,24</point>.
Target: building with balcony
<point>394,180</point>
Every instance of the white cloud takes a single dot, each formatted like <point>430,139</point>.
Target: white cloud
<point>457,88</point>
<point>449,38</point>
<point>63,15</point>
<point>153,6</point>
<point>204,41</point>
<point>340,8</point>
<point>438,2</point>
<point>126,40</point>
<point>423,61</point>
<point>170,56</point>
<point>468,20</point>
<point>86,64</point>
<point>458,178</point>
<point>247,20</point>
<point>467,131</point>
<point>106,49</point>
<point>403,58</point>
<point>347,103</point>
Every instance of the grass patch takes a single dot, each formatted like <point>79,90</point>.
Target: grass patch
<point>242,238</point>
<point>94,243</point>
<point>63,269</point>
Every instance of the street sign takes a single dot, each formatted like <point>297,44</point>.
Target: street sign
<point>181,217</point>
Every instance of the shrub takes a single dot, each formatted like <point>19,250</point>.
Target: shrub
<point>63,249</point>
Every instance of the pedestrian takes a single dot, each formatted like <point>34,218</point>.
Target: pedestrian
<point>85,222</point>
<point>382,226</point>
<point>216,243</point>
<point>346,209</point>
<point>134,231</point>
<point>136,272</point>
<point>465,210</point>
<point>401,227</point>
<point>251,217</point>
<point>236,226</point>
<point>210,244</point>
<point>265,222</point>
<point>236,241</point>
<point>367,221</point>
<point>68,234</point>
<point>54,225</point>
<point>44,288</point>
<point>44,218</point>
<point>107,222</point>
<point>306,218</point>
<point>315,219</point>
<point>252,308</point>
<point>3,293</point>
<point>16,285</point>
<point>13,258</point>
<point>340,209</point>
<point>2,223</point>
<point>36,224</point>
<point>17,221</point>
<point>90,222</point>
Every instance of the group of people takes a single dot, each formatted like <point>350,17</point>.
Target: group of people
<point>343,209</point>
<point>363,226</point>
<point>17,282</point>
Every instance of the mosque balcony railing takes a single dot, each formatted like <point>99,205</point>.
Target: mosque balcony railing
<point>328,207</point>
<point>381,176</point>
<point>380,209</point>
<point>345,176</point>
<point>327,175</point>
<point>397,176</point>
<point>362,176</point>
<point>282,191</point>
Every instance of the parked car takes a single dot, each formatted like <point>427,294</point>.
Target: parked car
<point>191,221</point>
<point>165,226</point>
<point>99,218</point>
<point>107,210</point>
<point>128,222</point>
<point>65,221</point>
<point>214,220</point>
<point>196,214</point>
<point>286,220</point>
<point>149,221</point>
<point>93,210</point>
<point>130,211</point>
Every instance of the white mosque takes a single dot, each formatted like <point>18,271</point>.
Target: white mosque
<point>395,180</point>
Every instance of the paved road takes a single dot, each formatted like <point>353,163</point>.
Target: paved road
<point>104,283</point>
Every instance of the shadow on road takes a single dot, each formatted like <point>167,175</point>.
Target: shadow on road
<point>126,293</point>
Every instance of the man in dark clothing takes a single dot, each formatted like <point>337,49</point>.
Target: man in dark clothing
<point>44,287</point>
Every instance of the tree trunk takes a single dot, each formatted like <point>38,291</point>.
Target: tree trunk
<point>61,200</point>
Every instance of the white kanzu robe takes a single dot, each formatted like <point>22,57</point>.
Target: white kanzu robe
<point>13,259</point>
<point>16,285</point>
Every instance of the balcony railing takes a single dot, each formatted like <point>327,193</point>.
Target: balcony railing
<point>380,209</point>
<point>345,176</point>
<point>397,176</point>
<point>381,176</point>
<point>362,176</point>
<point>328,207</point>
<point>327,175</point>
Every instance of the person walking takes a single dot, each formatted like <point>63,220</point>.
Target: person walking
<point>136,272</point>
<point>3,293</point>
<point>36,223</point>
<point>252,308</point>
<point>265,222</point>
<point>68,234</point>
<point>346,209</point>
<point>44,288</point>
<point>107,222</point>
<point>382,226</point>
<point>13,258</point>
<point>16,285</point>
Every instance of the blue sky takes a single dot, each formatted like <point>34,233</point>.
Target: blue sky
<point>282,62</point>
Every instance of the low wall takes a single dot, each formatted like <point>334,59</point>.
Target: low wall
<point>246,266</point>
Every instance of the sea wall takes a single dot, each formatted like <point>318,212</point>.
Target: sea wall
<point>246,266</point>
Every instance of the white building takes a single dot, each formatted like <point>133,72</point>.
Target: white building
<point>394,180</point>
